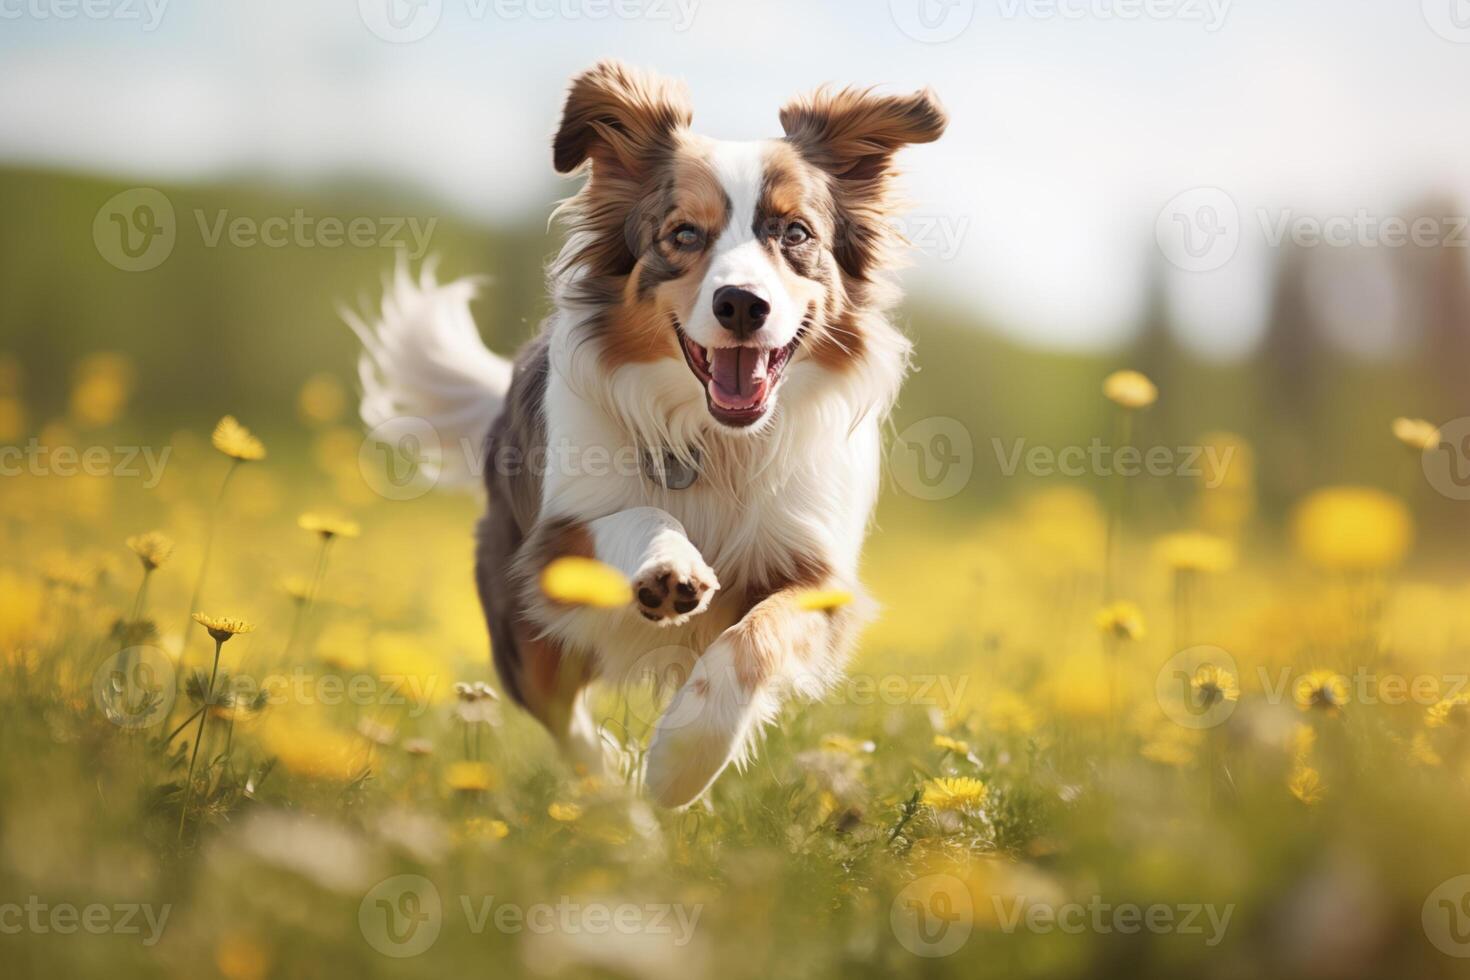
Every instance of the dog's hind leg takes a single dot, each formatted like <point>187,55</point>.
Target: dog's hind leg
<point>737,686</point>
<point>536,672</point>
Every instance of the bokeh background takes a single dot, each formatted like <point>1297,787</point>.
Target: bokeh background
<point>1261,206</point>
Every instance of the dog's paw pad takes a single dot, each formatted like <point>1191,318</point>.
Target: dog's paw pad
<point>671,592</point>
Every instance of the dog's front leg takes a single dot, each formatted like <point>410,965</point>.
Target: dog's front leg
<point>671,581</point>
<point>734,688</point>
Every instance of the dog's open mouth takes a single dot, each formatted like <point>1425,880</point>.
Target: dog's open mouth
<point>738,381</point>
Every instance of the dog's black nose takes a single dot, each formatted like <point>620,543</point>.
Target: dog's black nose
<point>740,310</point>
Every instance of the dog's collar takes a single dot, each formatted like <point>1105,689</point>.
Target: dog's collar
<point>669,471</point>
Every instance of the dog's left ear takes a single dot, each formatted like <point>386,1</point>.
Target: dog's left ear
<point>621,119</point>
<point>853,133</point>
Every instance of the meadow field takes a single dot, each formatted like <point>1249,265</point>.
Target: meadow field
<point>1209,721</point>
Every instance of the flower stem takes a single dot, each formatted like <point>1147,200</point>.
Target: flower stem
<point>303,611</point>
<point>199,738</point>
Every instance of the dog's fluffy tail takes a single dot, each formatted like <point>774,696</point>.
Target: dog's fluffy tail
<point>423,362</point>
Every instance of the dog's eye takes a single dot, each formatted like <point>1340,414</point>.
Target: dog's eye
<point>796,234</point>
<point>687,237</point>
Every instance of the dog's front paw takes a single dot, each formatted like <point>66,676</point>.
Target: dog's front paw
<point>673,587</point>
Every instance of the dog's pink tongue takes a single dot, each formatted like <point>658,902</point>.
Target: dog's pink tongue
<point>738,374</point>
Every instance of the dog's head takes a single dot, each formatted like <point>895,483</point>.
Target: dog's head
<point>752,263</point>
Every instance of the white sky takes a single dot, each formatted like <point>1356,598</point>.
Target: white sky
<point>1069,132</point>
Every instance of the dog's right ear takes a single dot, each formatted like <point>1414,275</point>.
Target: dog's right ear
<point>622,119</point>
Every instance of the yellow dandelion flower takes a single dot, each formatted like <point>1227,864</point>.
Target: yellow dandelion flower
<point>1123,620</point>
<point>104,382</point>
<point>1325,690</point>
<point>1306,785</point>
<point>847,745</point>
<point>298,587</point>
<point>328,526</point>
<point>306,746</point>
<point>823,600</point>
<point>951,745</point>
<point>564,812</point>
<point>1212,684</point>
<point>240,957</point>
<point>480,828</point>
<point>1130,389</point>
<point>1453,710</point>
<point>236,441</point>
<point>954,793</point>
<point>585,582</point>
<point>152,548</point>
<point>1009,713</point>
<point>1353,528</point>
<point>322,399</point>
<point>222,628</point>
<point>1195,551</point>
<point>470,777</point>
<point>67,572</point>
<point>1416,434</point>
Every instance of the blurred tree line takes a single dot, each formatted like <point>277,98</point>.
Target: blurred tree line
<point>218,329</point>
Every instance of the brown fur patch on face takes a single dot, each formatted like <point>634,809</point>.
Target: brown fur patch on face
<point>628,124</point>
<point>796,191</point>
<point>665,279</point>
